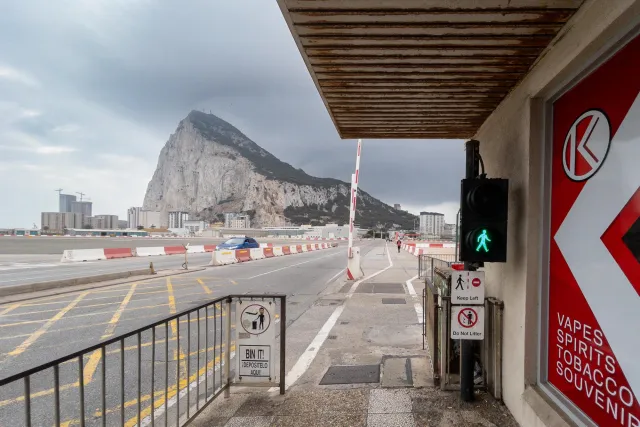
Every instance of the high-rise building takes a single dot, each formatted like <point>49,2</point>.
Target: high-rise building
<point>397,206</point>
<point>59,221</point>
<point>84,208</point>
<point>106,222</point>
<point>177,219</point>
<point>240,221</point>
<point>431,224</point>
<point>137,217</point>
<point>65,202</point>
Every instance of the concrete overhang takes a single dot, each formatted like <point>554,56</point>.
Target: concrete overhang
<point>420,68</point>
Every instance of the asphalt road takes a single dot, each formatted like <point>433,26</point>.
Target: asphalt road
<point>56,245</point>
<point>36,331</point>
<point>17,269</point>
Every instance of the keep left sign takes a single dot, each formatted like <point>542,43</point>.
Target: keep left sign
<point>467,287</point>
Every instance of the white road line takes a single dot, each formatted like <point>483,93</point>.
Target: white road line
<point>334,277</point>
<point>305,360</point>
<point>414,296</point>
<point>289,266</point>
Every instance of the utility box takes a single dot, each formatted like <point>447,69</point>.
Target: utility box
<point>354,271</point>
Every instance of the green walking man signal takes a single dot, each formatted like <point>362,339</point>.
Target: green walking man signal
<point>482,240</point>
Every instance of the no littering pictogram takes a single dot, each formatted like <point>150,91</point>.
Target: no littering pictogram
<point>467,318</point>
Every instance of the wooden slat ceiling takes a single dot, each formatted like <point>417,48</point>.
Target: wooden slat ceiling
<point>420,68</point>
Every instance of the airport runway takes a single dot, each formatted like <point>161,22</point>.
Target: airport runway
<point>35,331</point>
<point>56,245</point>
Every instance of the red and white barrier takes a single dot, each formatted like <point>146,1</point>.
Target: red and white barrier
<point>223,258</point>
<point>268,252</point>
<point>277,251</point>
<point>111,253</point>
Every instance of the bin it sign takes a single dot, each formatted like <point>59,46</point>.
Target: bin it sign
<point>257,358</point>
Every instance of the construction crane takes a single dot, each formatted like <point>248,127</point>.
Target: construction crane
<point>81,194</point>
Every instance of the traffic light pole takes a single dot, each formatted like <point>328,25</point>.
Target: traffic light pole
<point>467,347</point>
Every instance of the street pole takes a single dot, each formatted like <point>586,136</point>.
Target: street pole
<point>467,347</point>
<point>354,197</point>
<point>457,228</point>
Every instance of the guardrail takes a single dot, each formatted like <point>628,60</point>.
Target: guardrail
<point>180,364</point>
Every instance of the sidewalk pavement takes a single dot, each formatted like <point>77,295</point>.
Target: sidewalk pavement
<point>371,369</point>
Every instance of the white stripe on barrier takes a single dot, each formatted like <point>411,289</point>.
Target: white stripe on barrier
<point>79,255</point>
<point>149,251</point>
<point>223,258</point>
<point>293,249</point>
<point>256,253</point>
<point>277,251</point>
<point>197,249</point>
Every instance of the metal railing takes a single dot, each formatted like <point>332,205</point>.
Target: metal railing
<point>445,351</point>
<point>427,262</point>
<point>162,374</point>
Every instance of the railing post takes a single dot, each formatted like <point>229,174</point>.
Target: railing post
<point>227,355</point>
<point>283,340</point>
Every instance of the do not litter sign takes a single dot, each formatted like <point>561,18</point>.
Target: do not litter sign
<point>467,322</point>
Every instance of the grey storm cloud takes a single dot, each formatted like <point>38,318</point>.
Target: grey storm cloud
<point>92,90</point>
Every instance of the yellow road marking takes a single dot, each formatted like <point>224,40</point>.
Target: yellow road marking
<point>174,324</point>
<point>9,309</point>
<point>94,359</point>
<point>56,309</point>
<point>175,390</point>
<point>233,281</point>
<point>37,334</point>
<point>102,323</point>
<point>205,287</point>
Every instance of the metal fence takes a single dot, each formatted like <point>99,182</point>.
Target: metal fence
<point>444,351</point>
<point>161,374</point>
<point>427,262</point>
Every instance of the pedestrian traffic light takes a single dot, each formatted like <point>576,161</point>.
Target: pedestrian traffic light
<point>483,223</point>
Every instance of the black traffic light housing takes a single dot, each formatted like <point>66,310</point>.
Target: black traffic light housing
<point>483,224</point>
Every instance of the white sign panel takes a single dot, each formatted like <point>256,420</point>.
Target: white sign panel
<point>257,357</point>
<point>467,322</point>
<point>467,287</point>
<point>255,361</point>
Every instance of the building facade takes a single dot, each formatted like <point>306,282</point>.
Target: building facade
<point>65,202</point>
<point>431,224</point>
<point>105,222</point>
<point>397,207</point>
<point>59,221</point>
<point>195,226</point>
<point>84,208</point>
<point>177,219</point>
<point>138,217</point>
<point>240,221</point>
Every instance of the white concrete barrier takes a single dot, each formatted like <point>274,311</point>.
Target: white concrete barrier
<point>256,253</point>
<point>223,258</point>
<point>149,251</point>
<point>197,249</point>
<point>304,248</point>
<point>293,249</point>
<point>277,251</point>
<point>79,255</point>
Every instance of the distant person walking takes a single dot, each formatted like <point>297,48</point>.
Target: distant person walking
<point>399,243</point>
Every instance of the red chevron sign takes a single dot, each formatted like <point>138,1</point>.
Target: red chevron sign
<point>594,274</point>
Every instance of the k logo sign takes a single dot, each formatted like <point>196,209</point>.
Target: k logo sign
<point>586,145</point>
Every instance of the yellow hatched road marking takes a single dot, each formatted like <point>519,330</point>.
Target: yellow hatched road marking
<point>9,309</point>
<point>37,334</point>
<point>94,359</point>
<point>205,287</point>
<point>56,309</point>
<point>174,324</point>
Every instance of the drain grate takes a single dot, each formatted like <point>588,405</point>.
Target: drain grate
<point>380,288</point>
<point>332,337</point>
<point>394,301</point>
<point>356,374</point>
<point>344,323</point>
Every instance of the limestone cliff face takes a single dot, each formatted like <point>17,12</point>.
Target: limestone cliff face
<point>209,167</point>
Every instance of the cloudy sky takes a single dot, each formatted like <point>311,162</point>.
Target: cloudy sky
<point>91,90</point>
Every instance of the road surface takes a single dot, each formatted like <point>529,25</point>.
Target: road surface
<point>36,331</point>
